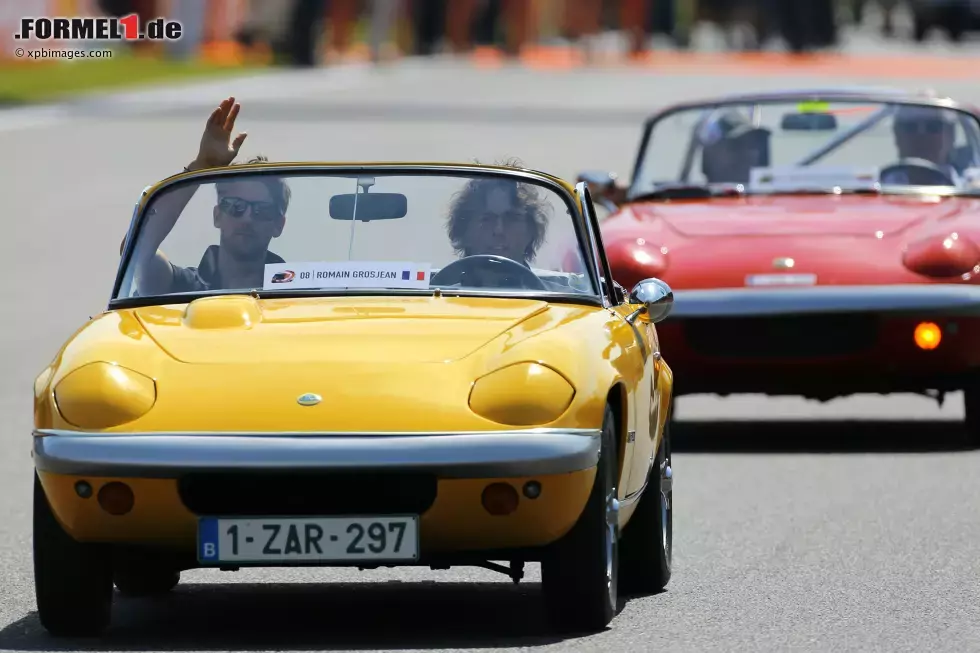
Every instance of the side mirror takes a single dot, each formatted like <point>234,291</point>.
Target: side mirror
<point>605,187</point>
<point>656,298</point>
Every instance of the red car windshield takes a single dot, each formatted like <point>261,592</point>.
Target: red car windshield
<point>806,146</point>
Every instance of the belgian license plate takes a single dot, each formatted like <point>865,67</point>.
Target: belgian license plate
<point>307,539</point>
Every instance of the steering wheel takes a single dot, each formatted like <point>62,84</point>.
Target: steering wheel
<point>455,272</point>
<point>920,172</point>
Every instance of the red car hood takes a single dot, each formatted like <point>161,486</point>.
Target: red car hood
<point>723,243</point>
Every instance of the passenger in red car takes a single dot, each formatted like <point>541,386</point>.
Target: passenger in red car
<point>731,147</point>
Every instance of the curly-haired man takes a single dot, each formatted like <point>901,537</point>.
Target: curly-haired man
<point>500,217</point>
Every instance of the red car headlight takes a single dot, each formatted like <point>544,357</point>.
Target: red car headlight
<point>635,260</point>
<point>940,257</point>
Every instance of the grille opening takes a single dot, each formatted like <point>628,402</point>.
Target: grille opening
<point>807,336</point>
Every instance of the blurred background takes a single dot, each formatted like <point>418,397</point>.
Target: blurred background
<point>222,34</point>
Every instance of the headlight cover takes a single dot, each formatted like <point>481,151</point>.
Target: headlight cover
<point>102,395</point>
<point>522,394</point>
<point>636,259</point>
<point>942,256</point>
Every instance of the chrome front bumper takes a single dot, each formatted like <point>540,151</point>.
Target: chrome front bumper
<point>938,299</point>
<point>479,454</point>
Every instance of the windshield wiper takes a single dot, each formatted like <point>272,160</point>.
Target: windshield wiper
<point>690,191</point>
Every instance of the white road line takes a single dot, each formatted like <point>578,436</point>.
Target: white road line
<point>279,84</point>
<point>31,117</point>
<point>290,84</point>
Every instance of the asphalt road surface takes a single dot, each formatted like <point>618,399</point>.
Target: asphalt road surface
<point>851,525</point>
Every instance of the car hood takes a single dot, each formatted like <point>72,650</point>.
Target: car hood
<point>379,365</point>
<point>365,330</point>
<point>827,216</point>
<point>781,240</point>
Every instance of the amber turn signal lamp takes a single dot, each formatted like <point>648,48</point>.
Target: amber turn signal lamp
<point>500,499</point>
<point>116,498</point>
<point>928,335</point>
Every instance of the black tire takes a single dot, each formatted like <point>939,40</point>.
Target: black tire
<point>153,581</point>
<point>648,539</point>
<point>72,580</point>
<point>580,572</point>
<point>971,405</point>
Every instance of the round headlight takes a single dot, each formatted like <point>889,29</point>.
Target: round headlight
<point>521,394</point>
<point>942,256</point>
<point>635,259</point>
<point>102,395</point>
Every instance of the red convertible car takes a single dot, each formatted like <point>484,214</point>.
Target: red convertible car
<point>818,243</point>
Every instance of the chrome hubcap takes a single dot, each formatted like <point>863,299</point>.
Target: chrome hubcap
<point>612,524</point>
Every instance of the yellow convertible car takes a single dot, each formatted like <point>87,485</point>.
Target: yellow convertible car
<point>361,365</point>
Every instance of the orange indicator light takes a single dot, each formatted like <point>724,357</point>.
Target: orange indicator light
<point>928,335</point>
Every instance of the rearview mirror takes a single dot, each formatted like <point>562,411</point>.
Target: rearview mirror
<point>809,122</point>
<point>598,178</point>
<point>605,188</point>
<point>370,206</point>
<point>656,297</point>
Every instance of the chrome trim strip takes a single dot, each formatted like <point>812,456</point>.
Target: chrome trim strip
<point>480,454</point>
<point>319,434</point>
<point>609,296</point>
<point>913,299</point>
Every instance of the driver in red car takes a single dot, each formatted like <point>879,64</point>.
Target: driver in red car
<point>731,147</point>
<point>926,133</point>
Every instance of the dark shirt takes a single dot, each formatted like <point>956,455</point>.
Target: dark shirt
<point>206,276</point>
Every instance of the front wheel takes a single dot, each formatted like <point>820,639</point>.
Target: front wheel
<point>580,574</point>
<point>72,580</point>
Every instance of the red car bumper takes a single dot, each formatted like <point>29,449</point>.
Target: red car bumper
<point>822,342</point>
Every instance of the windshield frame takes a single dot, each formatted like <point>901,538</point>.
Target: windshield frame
<point>888,98</point>
<point>584,231</point>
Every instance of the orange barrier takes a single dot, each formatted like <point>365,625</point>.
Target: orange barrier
<point>523,23</point>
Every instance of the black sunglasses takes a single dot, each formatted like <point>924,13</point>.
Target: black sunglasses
<point>236,207</point>
<point>921,126</point>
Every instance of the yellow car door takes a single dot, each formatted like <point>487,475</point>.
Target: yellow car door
<point>642,360</point>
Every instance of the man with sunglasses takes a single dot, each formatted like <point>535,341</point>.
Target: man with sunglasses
<point>731,147</point>
<point>926,133</point>
<point>248,215</point>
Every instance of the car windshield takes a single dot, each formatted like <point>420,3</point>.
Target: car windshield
<point>807,145</point>
<point>333,232</point>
